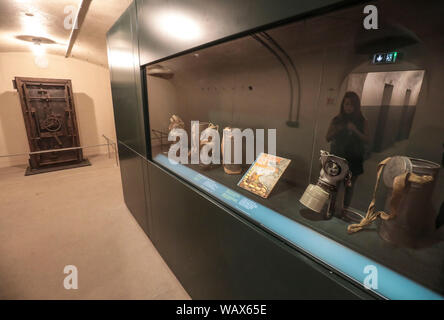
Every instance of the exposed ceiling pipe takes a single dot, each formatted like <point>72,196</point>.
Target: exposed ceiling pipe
<point>81,14</point>
<point>293,77</point>
<point>291,122</point>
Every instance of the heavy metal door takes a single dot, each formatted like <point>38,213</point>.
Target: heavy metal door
<point>50,120</point>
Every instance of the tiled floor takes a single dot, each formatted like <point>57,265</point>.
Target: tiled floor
<point>76,217</point>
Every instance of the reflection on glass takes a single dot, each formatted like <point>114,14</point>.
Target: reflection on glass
<point>177,25</point>
<point>315,83</point>
<point>387,105</point>
<point>348,132</point>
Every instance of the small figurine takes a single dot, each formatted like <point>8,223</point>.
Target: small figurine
<point>203,142</point>
<point>228,158</point>
<point>176,123</point>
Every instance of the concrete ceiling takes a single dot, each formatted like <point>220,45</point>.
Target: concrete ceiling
<point>46,18</point>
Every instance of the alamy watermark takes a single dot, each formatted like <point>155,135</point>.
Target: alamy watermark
<point>71,281</point>
<point>371,280</point>
<point>371,20</point>
<point>70,20</point>
<point>206,145</point>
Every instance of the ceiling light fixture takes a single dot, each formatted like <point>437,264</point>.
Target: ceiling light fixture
<point>33,39</point>
<point>38,49</point>
<point>178,26</point>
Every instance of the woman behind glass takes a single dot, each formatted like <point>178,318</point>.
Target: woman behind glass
<point>348,133</point>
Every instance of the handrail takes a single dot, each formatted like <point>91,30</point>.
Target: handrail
<point>109,142</point>
<point>114,146</point>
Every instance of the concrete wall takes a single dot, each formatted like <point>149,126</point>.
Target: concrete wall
<point>92,98</point>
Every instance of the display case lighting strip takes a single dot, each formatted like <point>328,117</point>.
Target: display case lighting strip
<point>391,284</point>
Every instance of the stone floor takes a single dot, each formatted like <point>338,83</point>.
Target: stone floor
<point>76,217</point>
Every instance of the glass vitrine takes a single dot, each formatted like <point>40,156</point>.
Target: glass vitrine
<point>359,114</point>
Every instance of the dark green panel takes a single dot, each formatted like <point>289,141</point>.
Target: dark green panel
<point>126,85</point>
<point>147,190</point>
<point>133,184</point>
<point>217,255</point>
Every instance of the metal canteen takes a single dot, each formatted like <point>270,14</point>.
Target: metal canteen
<point>415,220</point>
<point>396,166</point>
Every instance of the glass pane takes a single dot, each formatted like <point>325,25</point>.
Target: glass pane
<point>326,85</point>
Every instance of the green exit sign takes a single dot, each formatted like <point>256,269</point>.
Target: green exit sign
<point>386,57</point>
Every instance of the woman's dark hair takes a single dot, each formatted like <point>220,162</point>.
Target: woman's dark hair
<point>357,116</point>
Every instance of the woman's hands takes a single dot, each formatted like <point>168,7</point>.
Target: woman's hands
<point>351,126</point>
<point>364,136</point>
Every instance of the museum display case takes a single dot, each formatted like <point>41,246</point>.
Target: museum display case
<point>354,116</point>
